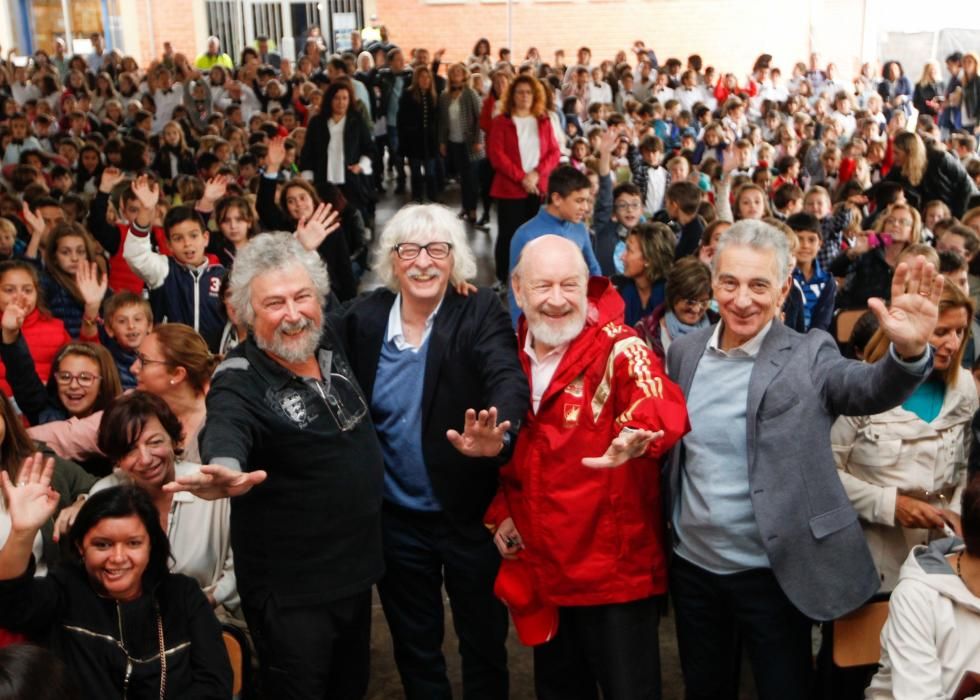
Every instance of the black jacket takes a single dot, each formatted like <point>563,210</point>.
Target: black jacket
<point>94,635</point>
<point>471,363</point>
<point>357,143</point>
<point>384,79</point>
<point>945,179</point>
<point>418,126</point>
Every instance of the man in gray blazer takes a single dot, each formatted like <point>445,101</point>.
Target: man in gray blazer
<point>765,538</point>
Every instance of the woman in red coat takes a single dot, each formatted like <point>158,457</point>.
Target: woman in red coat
<point>523,151</point>
<point>43,333</point>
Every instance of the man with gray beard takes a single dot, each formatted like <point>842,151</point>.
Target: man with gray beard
<point>576,513</point>
<point>285,415</point>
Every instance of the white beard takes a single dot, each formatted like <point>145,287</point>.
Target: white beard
<point>555,336</point>
<point>293,350</point>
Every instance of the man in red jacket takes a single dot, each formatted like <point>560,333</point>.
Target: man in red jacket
<point>579,502</point>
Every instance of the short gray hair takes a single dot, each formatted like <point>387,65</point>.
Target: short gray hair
<point>269,252</point>
<point>760,236</point>
<point>413,222</point>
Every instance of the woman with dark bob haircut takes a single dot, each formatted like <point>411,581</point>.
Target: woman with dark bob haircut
<point>123,624</point>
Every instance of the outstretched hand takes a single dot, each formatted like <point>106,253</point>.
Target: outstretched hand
<point>275,154</point>
<point>215,481</point>
<point>914,310</point>
<point>90,284</point>
<point>313,230</point>
<point>147,191</point>
<point>629,444</point>
<point>482,436</point>
<point>34,221</point>
<point>215,188</point>
<point>31,501</point>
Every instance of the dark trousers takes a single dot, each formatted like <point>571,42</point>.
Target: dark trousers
<point>615,648</point>
<point>423,177</point>
<point>716,613</point>
<point>396,160</point>
<point>511,213</point>
<point>378,161</point>
<point>459,159</point>
<point>308,652</point>
<point>484,172</point>
<point>423,550</point>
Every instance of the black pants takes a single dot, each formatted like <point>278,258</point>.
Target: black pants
<point>511,213</point>
<point>716,613</point>
<point>310,652</point>
<point>615,648</point>
<point>422,550</point>
<point>423,179</point>
<point>458,155</point>
<point>484,171</point>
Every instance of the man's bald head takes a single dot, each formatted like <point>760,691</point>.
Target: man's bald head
<point>559,255</point>
<point>550,285</point>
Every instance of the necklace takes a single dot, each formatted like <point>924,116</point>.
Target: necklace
<point>959,558</point>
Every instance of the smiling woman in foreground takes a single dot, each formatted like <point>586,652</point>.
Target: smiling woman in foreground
<point>123,624</point>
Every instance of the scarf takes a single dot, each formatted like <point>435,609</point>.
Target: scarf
<point>676,328</point>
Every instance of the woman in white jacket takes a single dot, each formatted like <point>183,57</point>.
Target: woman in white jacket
<point>930,645</point>
<point>904,467</point>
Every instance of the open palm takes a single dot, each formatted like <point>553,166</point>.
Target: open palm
<point>914,310</point>
<point>31,501</point>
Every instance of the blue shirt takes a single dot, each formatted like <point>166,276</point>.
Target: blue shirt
<point>812,289</point>
<point>542,224</point>
<point>397,87</point>
<point>396,407</point>
<point>635,309</point>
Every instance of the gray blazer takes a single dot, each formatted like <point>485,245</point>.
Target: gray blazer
<point>469,114</point>
<point>799,385</point>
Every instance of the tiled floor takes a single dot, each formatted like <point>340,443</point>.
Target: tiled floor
<point>385,684</point>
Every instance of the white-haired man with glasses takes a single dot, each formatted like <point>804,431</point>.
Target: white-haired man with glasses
<point>447,394</point>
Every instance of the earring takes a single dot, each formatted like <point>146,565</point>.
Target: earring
<point>171,382</point>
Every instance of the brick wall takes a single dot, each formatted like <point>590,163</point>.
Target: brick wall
<point>176,21</point>
<point>729,34</point>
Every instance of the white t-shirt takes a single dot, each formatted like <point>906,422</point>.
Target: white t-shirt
<point>336,170</point>
<point>528,141</point>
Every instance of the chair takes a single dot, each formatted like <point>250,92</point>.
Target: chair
<point>238,654</point>
<point>845,324</point>
<point>857,635</point>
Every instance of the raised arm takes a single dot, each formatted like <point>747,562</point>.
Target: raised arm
<point>151,267</point>
<point>30,502</point>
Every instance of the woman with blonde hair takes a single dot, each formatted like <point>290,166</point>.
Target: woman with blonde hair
<point>928,94</point>
<point>927,173</point>
<point>522,149</point>
<point>868,267</point>
<point>904,468</point>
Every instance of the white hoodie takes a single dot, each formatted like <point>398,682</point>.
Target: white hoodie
<point>932,636</point>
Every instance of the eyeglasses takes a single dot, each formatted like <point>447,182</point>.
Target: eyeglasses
<point>904,223</point>
<point>144,360</point>
<point>437,250</point>
<point>628,206</point>
<point>697,303</point>
<point>84,379</point>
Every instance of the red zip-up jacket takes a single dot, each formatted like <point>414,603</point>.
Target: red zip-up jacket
<point>593,536</point>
